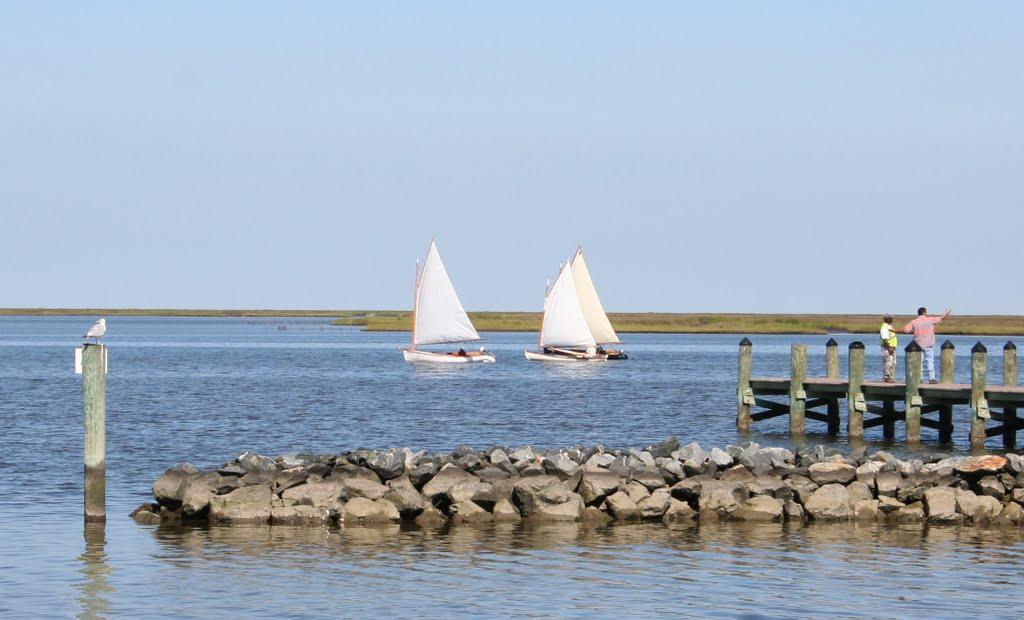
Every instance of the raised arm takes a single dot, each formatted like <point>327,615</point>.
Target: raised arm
<point>908,328</point>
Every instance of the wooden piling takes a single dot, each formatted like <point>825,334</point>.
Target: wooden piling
<point>979,408</point>
<point>912,409</point>
<point>947,368</point>
<point>797,395</point>
<point>744,395</point>
<point>832,372</point>
<point>1009,379</point>
<point>947,361</point>
<point>94,390</point>
<point>854,397</point>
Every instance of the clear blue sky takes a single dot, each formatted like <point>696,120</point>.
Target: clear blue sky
<point>717,156</point>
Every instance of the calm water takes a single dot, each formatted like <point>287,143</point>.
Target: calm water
<point>203,389</point>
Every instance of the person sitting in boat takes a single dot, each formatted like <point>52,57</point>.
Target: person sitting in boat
<point>462,352</point>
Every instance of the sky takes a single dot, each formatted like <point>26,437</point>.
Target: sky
<point>711,157</point>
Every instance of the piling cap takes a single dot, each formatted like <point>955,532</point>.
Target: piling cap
<point>913,347</point>
<point>745,342</point>
<point>856,344</point>
<point>831,343</point>
<point>948,345</point>
<point>1009,346</point>
<point>979,348</point>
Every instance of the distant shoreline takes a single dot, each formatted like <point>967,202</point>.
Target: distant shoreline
<point>624,322</point>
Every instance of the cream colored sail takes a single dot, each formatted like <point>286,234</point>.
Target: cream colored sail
<point>439,315</point>
<point>597,318</point>
<point>564,322</point>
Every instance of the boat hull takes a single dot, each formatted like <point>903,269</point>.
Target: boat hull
<point>445,358</point>
<point>536,356</point>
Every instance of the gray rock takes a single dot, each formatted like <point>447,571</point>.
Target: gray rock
<point>368,489</point>
<point>650,478</point>
<point>678,512</point>
<point>720,458</point>
<point>760,508</point>
<point>467,511</point>
<point>940,503</point>
<point>672,471</point>
<point>635,491</point>
<point>691,452</point>
<point>523,454</point>
<point>887,483</point>
<point>422,474</point>
<point>623,464</point>
<point>288,461</point>
<point>665,448</point>
<point>198,492</point>
<point>289,478</point>
<point>405,497</point>
<point>300,515</point>
<point>990,485</point>
<point>1015,463</point>
<point>250,461</point>
<point>794,511</point>
<point>244,505</point>
<point>911,513</point>
<point>721,497</point>
<point>866,510</point>
<point>232,469</point>
<point>1012,514</point>
<point>546,498</point>
<point>828,472</point>
<point>328,494</point>
<point>866,472</point>
<point>499,457</point>
<point>780,457</point>
<point>146,514</point>
<point>830,502</point>
<point>980,465</point>
<point>888,505</point>
<point>596,486</point>
<point>600,460</point>
<point>431,517</point>
<point>622,507</point>
<point>594,517</point>
<point>169,489</point>
<point>387,464</point>
<point>688,489</point>
<point>802,487</point>
<point>737,474</point>
<point>977,508</point>
<point>654,506</point>
<point>465,490</point>
<point>462,450</point>
<point>859,491</point>
<point>560,465</point>
<point>354,472</point>
<point>444,480</point>
<point>505,511</point>
<point>364,511</point>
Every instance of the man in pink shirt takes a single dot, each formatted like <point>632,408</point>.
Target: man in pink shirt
<point>923,328</point>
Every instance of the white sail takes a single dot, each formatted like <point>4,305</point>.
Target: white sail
<point>564,322</point>
<point>439,315</point>
<point>597,318</point>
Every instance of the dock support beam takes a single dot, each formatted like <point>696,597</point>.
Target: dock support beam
<point>1009,379</point>
<point>979,408</point>
<point>797,395</point>
<point>94,397</point>
<point>854,396</point>
<point>947,366</point>
<point>913,393</point>
<point>832,372</point>
<point>744,395</point>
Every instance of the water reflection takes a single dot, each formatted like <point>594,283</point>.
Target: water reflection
<point>93,589</point>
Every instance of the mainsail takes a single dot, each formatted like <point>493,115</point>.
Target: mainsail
<point>439,315</point>
<point>597,319</point>
<point>564,322</point>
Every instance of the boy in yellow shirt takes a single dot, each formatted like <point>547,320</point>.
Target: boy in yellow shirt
<point>889,344</point>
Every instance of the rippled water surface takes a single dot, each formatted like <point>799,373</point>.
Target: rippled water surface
<point>203,389</point>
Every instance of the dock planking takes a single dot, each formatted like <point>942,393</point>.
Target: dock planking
<point>875,403</point>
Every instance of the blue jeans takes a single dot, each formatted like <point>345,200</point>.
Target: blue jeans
<point>928,363</point>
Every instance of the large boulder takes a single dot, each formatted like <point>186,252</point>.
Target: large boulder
<point>387,464</point>
<point>977,508</point>
<point>449,476</point>
<point>546,498</point>
<point>169,489</point>
<point>665,448</point>
<point>887,483</point>
<point>328,494</point>
<point>622,507</point>
<point>650,478</point>
<point>829,472</point>
<point>990,485</point>
<point>560,465</point>
<point>940,503</point>
<point>760,508</point>
<point>595,486</point>
<point>198,492</point>
<point>505,511</point>
<point>249,504</point>
<point>866,510</point>
<point>467,511</point>
<point>299,515</point>
<point>364,511</point>
<point>980,465</point>
<point>829,503</point>
<point>721,497</point>
<point>405,497</point>
<point>654,506</point>
<point>361,487</point>
<point>678,512</point>
<point>289,478</point>
<point>250,462</point>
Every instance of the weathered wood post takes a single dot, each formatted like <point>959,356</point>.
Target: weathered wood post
<point>1009,379</point>
<point>744,395</point>
<point>94,397</point>
<point>947,366</point>
<point>912,398</point>
<point>797,395</point>
<point>979,408</point>
<point>854,397</point>
<point>832,372</point>
<point>947,362</point>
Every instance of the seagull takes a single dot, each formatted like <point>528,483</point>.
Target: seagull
<point>97,330</point>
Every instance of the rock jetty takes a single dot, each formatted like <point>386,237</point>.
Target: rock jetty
<point>596,485</point>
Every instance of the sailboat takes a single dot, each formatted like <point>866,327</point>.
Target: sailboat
<point>575,325</point>
<point>438,316</point>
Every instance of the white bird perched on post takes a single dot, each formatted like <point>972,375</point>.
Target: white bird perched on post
<point>97,330</point>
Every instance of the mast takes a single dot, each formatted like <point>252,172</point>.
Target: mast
<point>415,301</point>
<point>543,314</point>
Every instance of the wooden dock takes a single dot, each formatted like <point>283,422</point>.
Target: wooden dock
<point>912,402</point>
